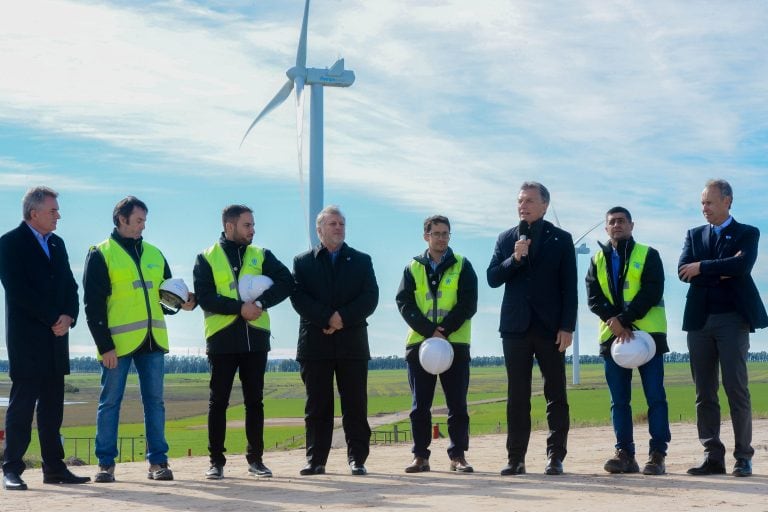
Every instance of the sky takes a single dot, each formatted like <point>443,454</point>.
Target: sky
<point>634,103</point>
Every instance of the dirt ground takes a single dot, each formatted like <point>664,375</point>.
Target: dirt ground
<point>584,487</point>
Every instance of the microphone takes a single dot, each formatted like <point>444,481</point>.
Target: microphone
<point>524,230</point>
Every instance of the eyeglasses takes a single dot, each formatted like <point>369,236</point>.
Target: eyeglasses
<point>445,235</point>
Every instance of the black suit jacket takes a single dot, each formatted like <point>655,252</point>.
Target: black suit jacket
<point>347,286</point>
<point>37,291</point>
<point>543,284</point>
<point>732,259</point>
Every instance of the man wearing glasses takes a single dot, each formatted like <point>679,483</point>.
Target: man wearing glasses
<point>437,297</point>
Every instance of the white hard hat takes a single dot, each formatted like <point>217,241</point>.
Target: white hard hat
<point>174,293</point>
<point>635,352</point>
<point>251,287</point>
<point>435,355</point>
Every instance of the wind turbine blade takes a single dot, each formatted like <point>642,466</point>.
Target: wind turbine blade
<point>557,219</point>
<point>280,97</point>
<point>301,53</point>
<point>299,90</point>
<point>600,223</point>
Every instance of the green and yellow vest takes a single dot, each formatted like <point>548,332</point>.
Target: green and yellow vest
<point>133,307</point>
<point>226,285</point>
<point>656,319</point>
<point>447,296</point>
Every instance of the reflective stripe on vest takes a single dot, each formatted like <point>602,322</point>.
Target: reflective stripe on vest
<point>447,296</point>
<point>133,306</point>
<point>656,319</point>
<point>226,285</point>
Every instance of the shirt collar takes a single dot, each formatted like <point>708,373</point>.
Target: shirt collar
<point>722,226</point>
<point>38,235</point>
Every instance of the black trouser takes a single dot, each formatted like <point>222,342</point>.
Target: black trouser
<point>455,383</point>
<point>48,392</point>
<point>352,383</point>
<point>251,366</point>
<point>519,350</point>
<point>722,344</point>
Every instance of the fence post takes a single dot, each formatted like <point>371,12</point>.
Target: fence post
<point>395,433</point>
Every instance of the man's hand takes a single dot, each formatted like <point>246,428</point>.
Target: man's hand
<point>439,333</point>
<point>250,311</point>
<point>689,271</point>
<point>190,304</point>
<point>109,359</point>
<point>564,340</point>
<point>61,327</point>
<point>521,249</point>
<point>335,321</point>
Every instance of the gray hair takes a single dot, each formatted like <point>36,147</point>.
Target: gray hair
<point>328,210</point>
<point>723,186</point>
<point>34,198</point>
<point>543,192</point>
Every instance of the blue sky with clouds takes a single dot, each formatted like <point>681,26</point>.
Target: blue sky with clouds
<point>456,103</point>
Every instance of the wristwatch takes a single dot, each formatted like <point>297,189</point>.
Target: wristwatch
<point>258,304</point>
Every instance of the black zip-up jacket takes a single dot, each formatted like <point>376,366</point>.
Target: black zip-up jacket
<point>97,288</point>
<point>463,310</point>
<point>239,337</point>
<point>650,294</point>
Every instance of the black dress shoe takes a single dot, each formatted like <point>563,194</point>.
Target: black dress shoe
<point>64,476</point>
<point>312,469</point>
<point>554,466</point>
<point>708,467</point>
<point>513,467</point>
<point>13,482</point>
<point>743,467</point>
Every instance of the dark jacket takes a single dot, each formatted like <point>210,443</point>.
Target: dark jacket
<point>463,310</point>
<point>725,274</point>
<point>543,285</point>
<point>239,336</point>
<point>37,291</point>
<point>347,286</point>
<point>97,287</point>
<point>650,294</point>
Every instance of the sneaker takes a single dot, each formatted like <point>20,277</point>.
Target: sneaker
<point>419,465</point>
<point>160,472</point>
<point>259,469</point>
<point>105,475</point>
<point>461,465</point>
<point>655,464</point>
<point>622,462</point>
<point>215,472</point>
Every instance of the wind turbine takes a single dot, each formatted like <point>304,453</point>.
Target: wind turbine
<point>299,76</point>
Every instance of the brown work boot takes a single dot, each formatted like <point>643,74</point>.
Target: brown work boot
<point>622,462</point>
<point>461,465</point>
<point>419,465</point>
<point>655,464</point>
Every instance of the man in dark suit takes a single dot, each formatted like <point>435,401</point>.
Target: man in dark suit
<point>41,306</point>
<point>723,306</point>
<point>536,263</point>
<point>336,291</point>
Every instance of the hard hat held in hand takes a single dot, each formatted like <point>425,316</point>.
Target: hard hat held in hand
<point>635,352</point>
<point>435,355</point>
<point>174,293</point>
<point>251,287</point>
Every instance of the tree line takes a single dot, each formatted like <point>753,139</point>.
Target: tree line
<point>199,364</point>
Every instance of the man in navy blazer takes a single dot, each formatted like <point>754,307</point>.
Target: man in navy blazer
<point>723,306</point>
<point>41,306</point>
<point>536,263</point>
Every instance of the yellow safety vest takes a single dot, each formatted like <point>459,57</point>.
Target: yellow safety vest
<point>656,319</point>
<point>447,296</point>
<point>226,285</point>
<point>133,307</point>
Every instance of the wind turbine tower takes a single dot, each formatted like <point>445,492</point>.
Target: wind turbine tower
<point>299,76</point>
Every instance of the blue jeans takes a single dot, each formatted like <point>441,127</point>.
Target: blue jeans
<point>620,386</point>
<point>151,369</point>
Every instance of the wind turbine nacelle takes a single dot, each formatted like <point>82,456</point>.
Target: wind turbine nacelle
<point>335,76</point>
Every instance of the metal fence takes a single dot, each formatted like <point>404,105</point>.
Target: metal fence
<point>82,448</point>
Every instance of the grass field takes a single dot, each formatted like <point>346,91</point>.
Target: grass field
<point>186,405</point>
